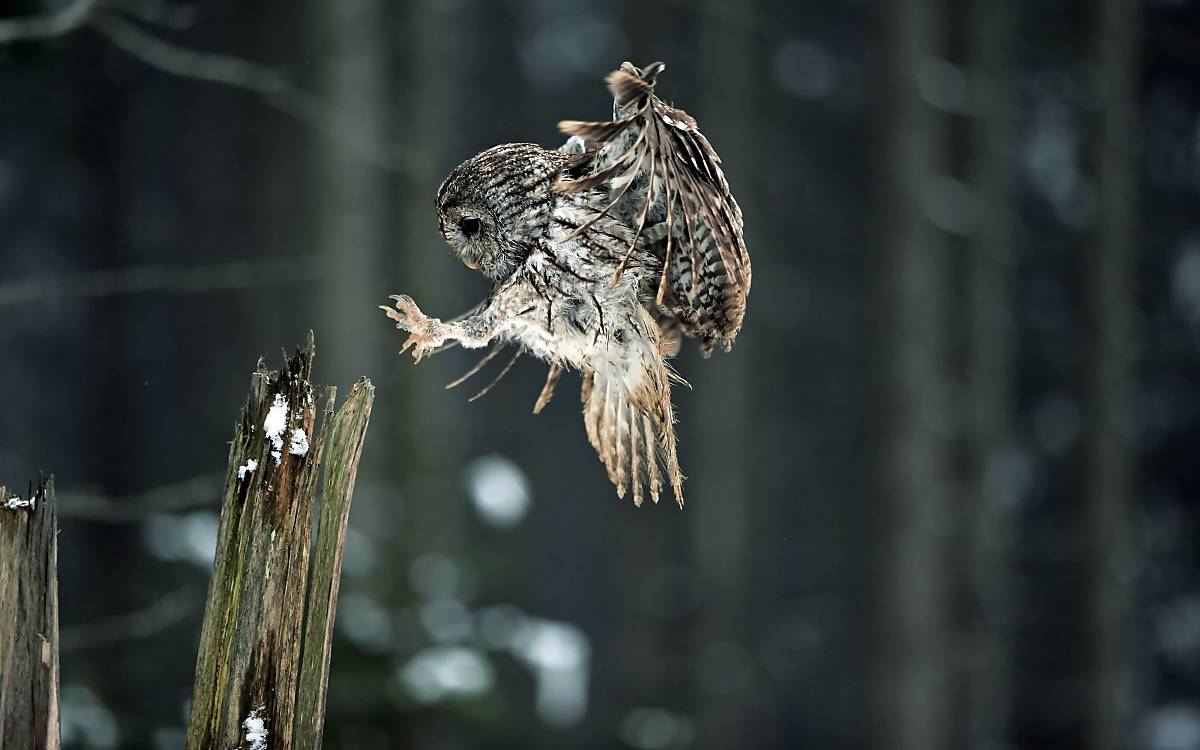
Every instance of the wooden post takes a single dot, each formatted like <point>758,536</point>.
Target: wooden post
<point>263,663</point>
<point>29,620</point>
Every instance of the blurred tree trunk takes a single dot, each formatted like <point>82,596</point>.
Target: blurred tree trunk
<point>986,528</point>
<point>430,423</point>
<point>348,206</point>
<point>720,506</point>
<point>656,661</point>
<point>911,675</point>
<point>374,231</point>
<point>1110,340</point>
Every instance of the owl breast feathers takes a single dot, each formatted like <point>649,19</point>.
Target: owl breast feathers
<point>603,254</point>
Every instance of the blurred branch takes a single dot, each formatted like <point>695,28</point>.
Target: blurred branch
<point>157,12</point>
<point>38,28</point>
<point>170,610</point>
<point>274,88</point>
<point>197,492</point>
<point>242,274</point>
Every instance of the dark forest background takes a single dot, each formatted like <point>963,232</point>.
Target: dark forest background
<point>942,494</point>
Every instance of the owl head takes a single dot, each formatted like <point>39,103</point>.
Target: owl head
<point>494,205</point>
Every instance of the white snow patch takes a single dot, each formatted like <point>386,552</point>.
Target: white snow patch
<point>256,730</point>
<point>276,420</point>
<point>16,503</point>
<point>247,468</point>
<point>299,443</point>
<point>275,424</point>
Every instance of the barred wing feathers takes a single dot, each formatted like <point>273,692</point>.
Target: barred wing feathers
<point>664,180</point>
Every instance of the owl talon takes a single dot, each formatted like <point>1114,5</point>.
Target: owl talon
<point>422,339</point>
<point>421,344</point>
<point>406,313</point>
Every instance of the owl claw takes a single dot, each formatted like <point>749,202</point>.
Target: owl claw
<point>409,318</point>
<point>406,313</point>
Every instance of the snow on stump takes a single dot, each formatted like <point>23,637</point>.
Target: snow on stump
<point>263,664</point>
<point>29,619</point>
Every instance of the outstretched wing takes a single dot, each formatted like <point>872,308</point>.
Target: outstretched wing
<point>629,420</point>
<point>664,180</point>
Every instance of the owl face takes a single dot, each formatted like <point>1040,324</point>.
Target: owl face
<point>494,206</point>
<point>471,232</point>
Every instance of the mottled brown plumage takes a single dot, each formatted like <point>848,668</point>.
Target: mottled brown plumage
<point>651,148</point>
<point>602,254</point>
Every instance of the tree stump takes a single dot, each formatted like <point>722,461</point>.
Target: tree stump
<point>29,619</point>
<point>263,663</point>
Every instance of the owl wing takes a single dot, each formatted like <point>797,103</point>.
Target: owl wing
<point>663,179</point>
<point>629,419</point>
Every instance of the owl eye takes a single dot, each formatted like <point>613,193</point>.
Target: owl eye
<point>469,227</point>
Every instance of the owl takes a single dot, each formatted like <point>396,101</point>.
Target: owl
<point>603,254</point>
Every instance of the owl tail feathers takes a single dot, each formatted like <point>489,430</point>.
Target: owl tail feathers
<point>548,389</point>
<point>635,441</point>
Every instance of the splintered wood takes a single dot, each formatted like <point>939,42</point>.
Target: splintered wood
<point>268,624</point>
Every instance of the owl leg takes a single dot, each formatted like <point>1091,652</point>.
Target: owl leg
<point>427,334</point>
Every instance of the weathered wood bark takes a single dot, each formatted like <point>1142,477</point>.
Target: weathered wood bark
<point>1107,458</point>
<point>29,621</point>
<point>910,677</point>
<point>343,449</point>
<point>256,655</point>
